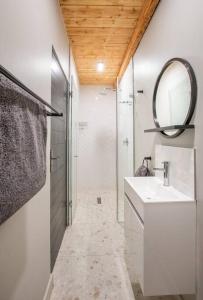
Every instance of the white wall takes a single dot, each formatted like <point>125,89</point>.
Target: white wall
<point>97,141</point>
<point>28,29</point>
<point>175,31</point>
<point>168,35</point>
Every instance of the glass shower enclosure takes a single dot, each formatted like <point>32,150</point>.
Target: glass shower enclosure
<point>125,135</point>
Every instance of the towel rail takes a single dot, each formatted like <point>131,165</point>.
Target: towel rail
<point>20,84</point>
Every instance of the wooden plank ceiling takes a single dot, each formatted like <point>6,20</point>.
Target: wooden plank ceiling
<point>102,31</point>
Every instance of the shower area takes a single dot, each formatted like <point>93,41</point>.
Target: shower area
<point>106,140</point>
<point>97,141</point>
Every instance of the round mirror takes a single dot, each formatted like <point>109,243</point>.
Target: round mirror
<point>174,96</point>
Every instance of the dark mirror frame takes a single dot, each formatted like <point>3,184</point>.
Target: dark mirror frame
<point>193,98</point>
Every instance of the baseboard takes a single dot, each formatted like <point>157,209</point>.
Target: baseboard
<point>49,288</point>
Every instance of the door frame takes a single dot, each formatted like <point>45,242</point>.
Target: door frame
<point>67,133</point>
<point>71,148</point>
<point>70,142</point>
<point>133,75</point>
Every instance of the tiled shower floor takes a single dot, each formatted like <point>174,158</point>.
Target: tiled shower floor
<point>90,264</point>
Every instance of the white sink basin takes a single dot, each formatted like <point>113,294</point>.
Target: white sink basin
<point>160,235</point>
<point>151,189</point>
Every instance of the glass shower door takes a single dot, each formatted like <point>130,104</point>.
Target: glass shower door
<point>73,152</point>
<point>75,99</point>
<point>125,136</point>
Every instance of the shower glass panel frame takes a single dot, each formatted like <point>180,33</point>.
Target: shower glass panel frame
<point>73,151</point>
<point>125,135</point>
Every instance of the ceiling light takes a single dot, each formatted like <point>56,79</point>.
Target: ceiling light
<point>100,67</point>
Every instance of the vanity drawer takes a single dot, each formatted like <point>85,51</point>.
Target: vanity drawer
<point>134,198</point>
<point>134,233</point>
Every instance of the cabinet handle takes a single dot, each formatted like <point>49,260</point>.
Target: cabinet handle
<point>135,210</point>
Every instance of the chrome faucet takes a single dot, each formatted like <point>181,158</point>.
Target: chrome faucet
<point>165,169</point>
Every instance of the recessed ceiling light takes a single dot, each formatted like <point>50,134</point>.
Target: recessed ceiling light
<point>100,67</point>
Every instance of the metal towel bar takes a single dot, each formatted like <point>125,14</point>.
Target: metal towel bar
<point>20,84</point>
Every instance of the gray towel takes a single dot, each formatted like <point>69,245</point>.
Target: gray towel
<point>143,170</point>
<point>23,132</point>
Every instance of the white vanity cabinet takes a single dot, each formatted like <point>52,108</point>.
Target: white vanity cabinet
<point>160,238</point>
<point>134,231</point>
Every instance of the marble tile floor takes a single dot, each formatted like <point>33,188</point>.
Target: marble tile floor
<point>91,264</point>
